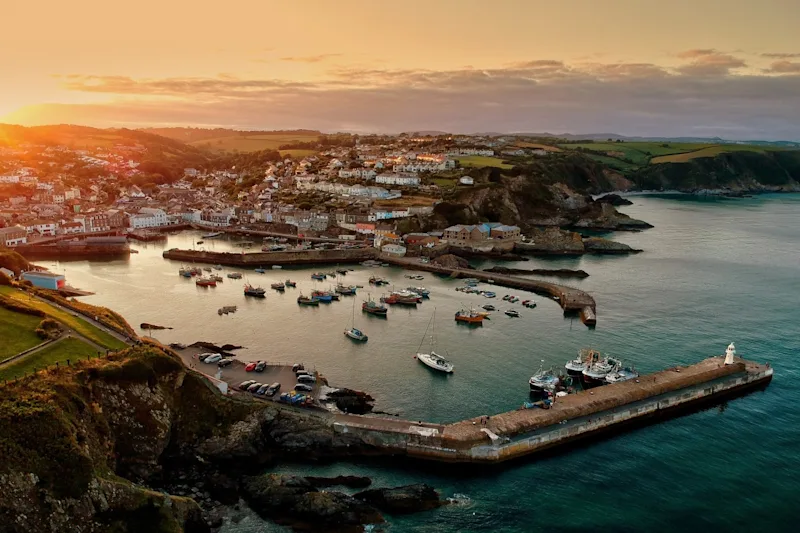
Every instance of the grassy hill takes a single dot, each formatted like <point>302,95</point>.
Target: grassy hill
<point>222,139</point>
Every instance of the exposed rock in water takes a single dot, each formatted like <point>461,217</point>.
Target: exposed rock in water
<point>402,500</point>
<point>451,261</point>
<point>353,482</point>
<point>294,501</point>
<point>613,199</point>
<point>558,272</point>
<point>610,219</point>
<point>145,325</point>
<point>598,245</point>
<point>214,348</point>
<point>352,401</point>
<point>502,255</point>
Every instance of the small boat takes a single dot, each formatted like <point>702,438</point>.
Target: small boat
<point>235,275</point>
<point>226,309</point>
<point>342,271</point>
<point>322,296</point>
<point>202,282</point>
<point>469,316</point>
<point>218,279</point>
<point>621,373</point>
<point>207,269</point>
<point>290,283</point>
<point>506,297</point>
<point>212,235</point>
<point>543,381</point>
<point>319,276</point>
<point>331,274</point>
<point>356,334</point>
<point>432,359</point>
<point>260,270</point>
<point>489,294</point>
<point>378,281</point>
<point>345,290</point>
<point>422,291</point>
<point>257,292</point>
<point>595,374</point>
<point>185,272</point>
<point>512,313</point>
<point>513,299</point>
<point>199,242</point>
<point>305,300</point>
<point>402,298</point>
<point>276,267</point>
<point>489,307</point>
<point>374,308</point>
<point>217,267</point>
<point>278,287</point>
<point>385,264</point>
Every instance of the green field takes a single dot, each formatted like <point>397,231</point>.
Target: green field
<point>481,161</point>
<point>525,144</point>
<point>298,153</point>
<point>642,153</point>
<point>252,143</point>
<point>81,326</point>
<point>61,350</point>
<point>709,151</point>
<point>17,331</point>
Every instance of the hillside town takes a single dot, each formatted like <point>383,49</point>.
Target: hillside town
<point>367,191</point>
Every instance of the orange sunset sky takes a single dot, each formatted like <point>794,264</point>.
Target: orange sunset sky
<point>635,67</point>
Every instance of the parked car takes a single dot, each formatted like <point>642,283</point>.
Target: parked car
<point>302,373</point>
<point>254,387</point>
<point>284,397</point>
<point>260,366</point>
<point>225,362</point>
<point>297,366</point>
<point>250,367</point>
<point>262,389</point>
<point>213,358</point>
<point>244,384</point>
<point>203,356</point>
<point>303,387</point>
<point>306,378</point>
<point>273,389</point>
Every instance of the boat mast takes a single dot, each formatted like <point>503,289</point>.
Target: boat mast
<point>422,341</point>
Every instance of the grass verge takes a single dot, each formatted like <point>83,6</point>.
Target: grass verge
<point>18,332</point>
<point>58,352</point>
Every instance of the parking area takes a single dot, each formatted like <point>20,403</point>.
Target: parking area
<point>235,373</point>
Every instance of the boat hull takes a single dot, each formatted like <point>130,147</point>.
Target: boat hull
<point>357,338</point>
<point>426,360</point>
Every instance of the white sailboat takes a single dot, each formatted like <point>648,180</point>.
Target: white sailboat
<point>355,333</point>
<point>433,360</point>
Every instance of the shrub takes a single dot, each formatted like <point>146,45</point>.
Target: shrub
<point>48,329</point>
<point>5,280</point>
<point>19,307</point>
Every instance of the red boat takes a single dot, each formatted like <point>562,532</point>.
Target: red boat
<point>374,308</point>
<point>469,316</point>
<point>205,283</point>
<point>401,299</point>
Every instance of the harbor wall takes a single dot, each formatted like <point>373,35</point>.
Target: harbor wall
<point>67,251</point>
<point>561,428</point>
<point>266,259</point>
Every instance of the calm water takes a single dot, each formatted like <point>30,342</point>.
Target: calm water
<point>713,271</point>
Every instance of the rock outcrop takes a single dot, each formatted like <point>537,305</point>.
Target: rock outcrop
<point>451,261</point>
<point>402,500</point>
<point>353,482</point>
<point>557,272</point>
<point>555,241</point>
<point>613,199</point>
<point>352,401</point>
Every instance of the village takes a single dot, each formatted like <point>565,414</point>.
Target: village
<point>365,192</point>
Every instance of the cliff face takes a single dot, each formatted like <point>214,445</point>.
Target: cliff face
<point>81,445</point>
<point>769,171</point>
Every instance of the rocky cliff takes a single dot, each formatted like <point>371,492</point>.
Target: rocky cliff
<point>83,447</point>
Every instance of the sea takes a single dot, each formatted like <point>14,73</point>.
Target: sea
<point>713,271</point>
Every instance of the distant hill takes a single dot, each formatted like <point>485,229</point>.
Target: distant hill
<point>224,139</point>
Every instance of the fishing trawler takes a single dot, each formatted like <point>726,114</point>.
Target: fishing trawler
<point>469,316</point>
<point>256,292</point>
<point>374,308</point>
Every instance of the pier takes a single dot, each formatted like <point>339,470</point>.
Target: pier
<point>515,434</point>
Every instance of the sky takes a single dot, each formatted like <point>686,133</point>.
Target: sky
<point>632,67</point>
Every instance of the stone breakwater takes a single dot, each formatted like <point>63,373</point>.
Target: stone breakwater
<point>514,434</point>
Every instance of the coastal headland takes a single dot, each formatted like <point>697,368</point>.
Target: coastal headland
<point>572,300</point>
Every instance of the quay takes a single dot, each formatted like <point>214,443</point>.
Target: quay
<point>591,413</point>
<point>572,300</point>
<point>86,248</point>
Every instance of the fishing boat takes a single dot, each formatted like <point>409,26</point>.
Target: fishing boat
<point>489,307</point>
<point>276,267</point>
<point>342,271</point>
<point>506,297</point>
<point>543,381</point>
<point>217,267</point>
<point>469,316</point>
<point>305,300</point>
<point>489,294</point>
<point>199,242</point>
<point>203,282</point>
<point>585,357</point>
<point>353,332</point>
<point>257,292</point>
<point>321,296</point>
<point>235,275</point>
<point>290,283</point>
<point>530,304</point>
<point>215,277</point>
<point>260,270</point>
<point>278,287</point>
<point>212,235</point>
<point>397,298</point>
<point>185,272</point>
<point>374,308</point>
<point>346,290</point>
<point>512,313</point>
<point>226,309</point>
<point>331,274</point>
<point>207,269</point>
<point>621,373</point>
<point>378,281</point>
<point>422,291</point>
<point>432,359</point>
<point>596,372</point>
<point>319,276</point>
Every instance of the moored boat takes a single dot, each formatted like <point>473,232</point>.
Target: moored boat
<point>596,372</point>
<point>432,359</point>
<point>489,307</point>
<point>585,357</point>
<point>218,279</point>
<point>374,308</point>
<point>212,235</point>
<point>321,296</point>
<point>345,290</point>
<point>319,276</point>
<point>422,291</point>
<point>203,282</point>
<point>278,287</point>
<point>621,373</point>
<point>305,300</point>
<point>356,334</point>
<point>543,381</point>
<point>469,316</point>
<point>290,283</point>
<point>260,270</point>
<point>257,292</point>
<point>378,281</point>
<point>235,275</point>
<point>396,298</point>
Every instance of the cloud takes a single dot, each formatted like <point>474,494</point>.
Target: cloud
<point>310,59</point>
<point>781,55</point>
<point>539,95</point>
<point>709,62</point>
<point>784,67</point>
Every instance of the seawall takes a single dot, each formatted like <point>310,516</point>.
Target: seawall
<point>587,414</point>
<point>68,250</point>
<point>266,259</point>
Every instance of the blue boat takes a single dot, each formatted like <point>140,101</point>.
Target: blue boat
<point>318,276</point>
<point>322,296</point>
<point>260,270</point>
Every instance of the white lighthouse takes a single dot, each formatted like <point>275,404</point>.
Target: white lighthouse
<point>729,353</point>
